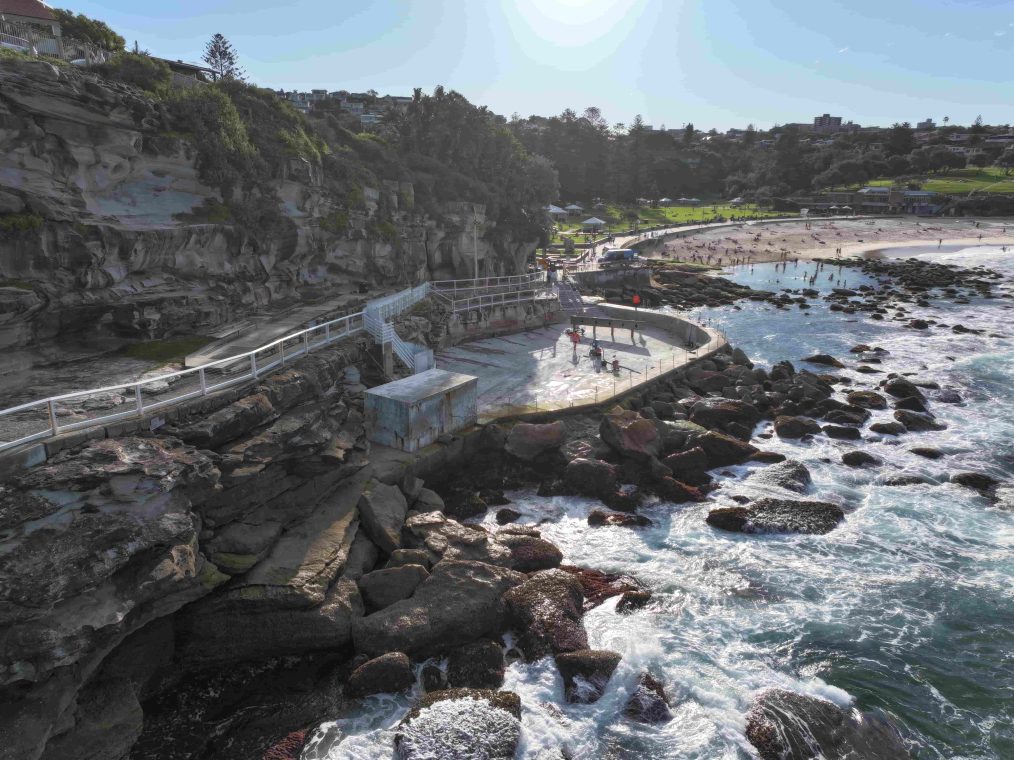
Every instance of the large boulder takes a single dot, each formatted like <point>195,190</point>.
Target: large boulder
<point>459,603</point>
<point>630,434</point>
<point>457,724</point>
<point>443,538</point>
<point>771,515</point>
<point>791,475</point>
<point>724,450</point>
<point>689,466</point>
<point>546,611</point>
<point>586,673</point>
<point>479,665</point>
<point>382,509</point>
<point>599,517</point>
<point>382,588</point>
<point>389,673</point>
<point>858,458</point>
<point>649,702</point>
<point>530,553</point>
<point>528,441</point>
<point>782,724</point>
<point>867,400</point>
<point>590,477</point>
<point>899,387</point>
<point>825,360</point>
<point>917,421</point>
<point>795,427</point>
<point>720,412</point>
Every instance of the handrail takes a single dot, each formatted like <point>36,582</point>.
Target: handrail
<point>324,334</point>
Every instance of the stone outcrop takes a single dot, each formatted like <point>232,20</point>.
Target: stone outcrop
<point>586,673</point>
<point>778,516</point>
<point>487,722</point>
<point>546,610</point>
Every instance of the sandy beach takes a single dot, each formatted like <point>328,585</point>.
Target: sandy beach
<point>760,242</point>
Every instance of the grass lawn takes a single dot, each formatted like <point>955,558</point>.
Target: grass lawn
<point>168,350</point>
<point>956,181</point>
<point>651,216</point>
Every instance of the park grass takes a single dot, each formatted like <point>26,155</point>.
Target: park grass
<point>166,351</point>
<point>990,179</point>
<point>649,216</point>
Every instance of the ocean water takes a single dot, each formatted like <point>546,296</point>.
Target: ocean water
<point>907,607</point>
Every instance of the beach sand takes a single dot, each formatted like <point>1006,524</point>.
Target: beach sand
<point>776,242</point>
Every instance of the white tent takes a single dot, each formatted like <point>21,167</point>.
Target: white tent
<point>665,200</point>
<point>592,222</point>
<point>574,207</point>
<point>555,210</point>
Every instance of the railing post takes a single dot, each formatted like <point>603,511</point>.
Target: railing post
<point>281,350</point>
<point>52,417</point>
<point>306,342</point>
<point>137,397</point>
<point>327,332</point>
<point>204,381</point>
<point>253,365</point>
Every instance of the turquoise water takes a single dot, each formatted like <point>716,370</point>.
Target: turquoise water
<point>907,607</point>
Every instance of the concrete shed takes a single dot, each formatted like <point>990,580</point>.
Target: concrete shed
<point>413,412</point>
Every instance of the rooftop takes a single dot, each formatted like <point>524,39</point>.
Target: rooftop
<point>28,8</point>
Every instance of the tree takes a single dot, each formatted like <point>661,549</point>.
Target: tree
<point>688,134</point>
<point>900,139</point>
<point>979,159</point>
<point>1006,162</point>
<point>750,136</point>
<point>80,27</point>
<point>222,59</point>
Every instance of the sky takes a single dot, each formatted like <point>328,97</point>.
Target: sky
<point>714,63</point>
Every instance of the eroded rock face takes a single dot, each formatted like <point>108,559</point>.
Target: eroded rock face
<point>382,509</point>
<point>459,603</point>
<point>527,441</point>
<point>443,538</point>
<point>778,516</point>
<point>784,724</point>
<point>630,434</point>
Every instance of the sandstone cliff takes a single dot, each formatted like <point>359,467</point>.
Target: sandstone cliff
<point>107,229</point>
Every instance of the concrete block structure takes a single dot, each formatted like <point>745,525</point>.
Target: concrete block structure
<point>413,412</point>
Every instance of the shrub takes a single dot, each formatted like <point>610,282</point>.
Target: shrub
<point>80,27</point>
<point>336,222</point>
<point>138,70</point>
<point>18,223</point>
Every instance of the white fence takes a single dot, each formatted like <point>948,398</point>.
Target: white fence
<point>41,419</point>
<point>488,300</point>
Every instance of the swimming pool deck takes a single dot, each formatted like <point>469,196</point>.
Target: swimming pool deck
<point>540,370</point>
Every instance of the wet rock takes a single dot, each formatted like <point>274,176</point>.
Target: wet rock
<point>382,588</point>
<point>782,724</point>
<point>599,586</point>
<point>917,421</point>
<point>459,603</point>
<point>433,678</point>
<point>528,441</point>
<point>530,553</point>
<point>630,434</point>
<point>382,510</point>
<point>479,665</point>
<point>389,673</point>
<point>857,458</point>
<point>586,673</point>
<point>842,432</point>
<point>975,480</point>
<point>428,501</point>
<point>590,477</point>
<point>767,457</point>
<point>790,474</point>
<point>927,451</point>
<point>912,404</point>
<point>867,400</point>
<point>546,611</point>
<point>598,518</point>
<point>487,723</point>
<point>649,703</point>
<point>689,466</point>
<point>948,397</point>
<point>824,359</point>
<point>507,515</point>
<point>676,492</point>
<point>724,450</point>
<point>795,427</point>
<point>769,515</point>
<point>888,428</point>
<point>721,412</point>
<point>899,387</point>
<point>908,479</point>
<point>633,600</point>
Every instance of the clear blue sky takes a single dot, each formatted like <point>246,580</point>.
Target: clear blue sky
<point>716,63</point>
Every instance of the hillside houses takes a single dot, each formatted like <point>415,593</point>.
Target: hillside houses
<point>368,107</point>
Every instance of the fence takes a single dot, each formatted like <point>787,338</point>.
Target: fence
<point>136,398</point>
<point>489,300</point>
<point>452,288</point>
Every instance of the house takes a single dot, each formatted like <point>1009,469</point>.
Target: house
<point>28,24</point>
<point>999,141</point>
<point>188,74</point>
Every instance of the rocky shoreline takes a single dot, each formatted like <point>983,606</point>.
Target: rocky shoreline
<point>226,585</point>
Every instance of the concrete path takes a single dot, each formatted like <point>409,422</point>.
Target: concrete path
<point>541,370</point>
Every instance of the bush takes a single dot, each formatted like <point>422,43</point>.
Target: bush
<point>225,155</point>
<point>138,70</point>
<point>80,27</point>
<point>18,223</point>
<point>336,222</point>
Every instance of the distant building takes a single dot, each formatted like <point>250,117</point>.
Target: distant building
<point>827,122</point>
<point>29,24</point>
<point>927,124</point>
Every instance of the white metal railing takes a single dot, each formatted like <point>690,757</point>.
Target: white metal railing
<point>378,312</point>
<point>499,299</point>
<point>136,398</point>
<point>489,284</point>
<point>9,40</point>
